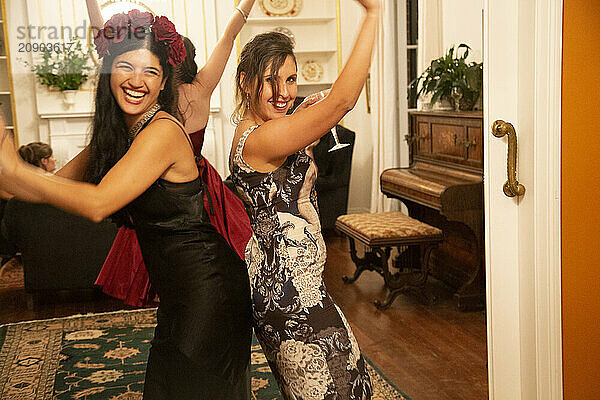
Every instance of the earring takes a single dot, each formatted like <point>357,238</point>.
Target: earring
<point>247,101</point>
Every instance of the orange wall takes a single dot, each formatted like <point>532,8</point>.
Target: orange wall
<point>581,199</point>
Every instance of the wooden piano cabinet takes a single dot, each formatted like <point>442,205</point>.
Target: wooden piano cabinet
<point>448,136</point>
<point>443,187</point>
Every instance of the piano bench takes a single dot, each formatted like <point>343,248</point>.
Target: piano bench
<point>381,232</point>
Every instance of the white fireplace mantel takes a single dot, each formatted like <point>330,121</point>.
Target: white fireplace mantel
<point>67,134</point>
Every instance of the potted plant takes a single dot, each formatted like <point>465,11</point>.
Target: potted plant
<point>65,70</point>
<point>451,78</point>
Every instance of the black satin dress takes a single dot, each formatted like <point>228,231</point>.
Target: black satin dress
<point>201,348</point>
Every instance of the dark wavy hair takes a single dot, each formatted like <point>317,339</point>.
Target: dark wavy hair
<point>110,135</point>
<point>187,71</point>
<point>186,74</point>
<point>264,50</point>
<point>34,152</point>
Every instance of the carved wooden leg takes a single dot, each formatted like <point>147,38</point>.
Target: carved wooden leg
<point>408,281</point>
<point>471,296</point>
<point>370,262</point>
<point>392,282</point>
<point>421,279</point>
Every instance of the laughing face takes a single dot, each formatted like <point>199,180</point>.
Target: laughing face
<point>136,81</point>
<point>271,107</point>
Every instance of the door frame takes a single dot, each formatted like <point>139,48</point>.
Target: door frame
<point>545,361</point>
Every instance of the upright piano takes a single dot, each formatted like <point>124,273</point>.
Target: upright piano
<point>444,187</point>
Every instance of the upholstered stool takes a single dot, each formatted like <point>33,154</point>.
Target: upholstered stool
<point>381,232</point>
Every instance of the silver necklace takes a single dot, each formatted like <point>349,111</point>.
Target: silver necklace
<point>138,126</point>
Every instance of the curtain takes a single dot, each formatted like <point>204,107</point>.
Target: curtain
<point>390,105</point>
<point>431,43</point>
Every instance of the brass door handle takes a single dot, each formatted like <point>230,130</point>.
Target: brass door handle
<point>511,187</point>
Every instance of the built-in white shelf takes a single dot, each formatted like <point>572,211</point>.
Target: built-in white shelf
<point>309,20</point>
<point>332,51</point>
<point>12,128</point>
<point>3,58</point>
<point>304,83</point>
<point>1,93</point>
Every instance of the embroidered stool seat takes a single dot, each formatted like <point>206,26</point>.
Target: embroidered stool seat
<point>381,232</point>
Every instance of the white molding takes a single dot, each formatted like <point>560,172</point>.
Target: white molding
<point>547,184</point>
<point>67,116</point>
<point>281,20</point>
<point>525,349</point>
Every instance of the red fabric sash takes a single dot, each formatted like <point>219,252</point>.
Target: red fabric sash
<point>124,274</point>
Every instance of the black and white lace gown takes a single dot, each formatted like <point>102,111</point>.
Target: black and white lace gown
<point>305,337</point>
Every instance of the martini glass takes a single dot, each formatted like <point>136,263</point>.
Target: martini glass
<point>337,145</point>
<point>315,98</point>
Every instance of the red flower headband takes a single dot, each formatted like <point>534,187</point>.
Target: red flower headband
<point>135,22</point>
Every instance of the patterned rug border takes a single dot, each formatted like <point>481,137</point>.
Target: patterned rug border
<point>381,374</point>
<point>4,327</point>
<point>75,316</point>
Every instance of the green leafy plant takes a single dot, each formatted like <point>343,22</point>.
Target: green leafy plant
<point>66,69</point>
<point>449,71</point>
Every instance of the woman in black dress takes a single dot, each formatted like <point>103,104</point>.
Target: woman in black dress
<point>142,169</point>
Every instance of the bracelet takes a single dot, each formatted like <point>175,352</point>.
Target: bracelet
<point>244,15</point>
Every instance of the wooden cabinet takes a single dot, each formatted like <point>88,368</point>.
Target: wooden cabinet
<point>451,137</point>
<point>314,26</point>
<point>7,101</point>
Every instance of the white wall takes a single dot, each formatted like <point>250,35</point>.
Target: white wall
<point>463,23</point>
<point>358,120</point>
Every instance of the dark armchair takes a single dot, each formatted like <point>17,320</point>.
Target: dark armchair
<point>59,251</point>
<point>334,176</point>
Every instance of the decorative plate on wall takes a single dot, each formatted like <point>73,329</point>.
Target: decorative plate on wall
<point>280,8</point>
<point>312,71</point>
<point>287,32</point>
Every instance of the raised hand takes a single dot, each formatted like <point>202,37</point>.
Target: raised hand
<point>370,4</point>
<point>312,99</point>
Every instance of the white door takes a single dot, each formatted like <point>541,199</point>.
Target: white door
<point>522,64</point>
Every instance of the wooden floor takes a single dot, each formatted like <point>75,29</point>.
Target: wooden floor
<point>429,352</point>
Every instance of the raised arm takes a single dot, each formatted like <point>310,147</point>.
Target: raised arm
<point>75,168</point>
<point>96,20</point>
<point>209,76</point>
<point>141,166</point>
<point>280,137</point>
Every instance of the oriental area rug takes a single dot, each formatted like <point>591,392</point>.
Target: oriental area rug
<point>103,356</point>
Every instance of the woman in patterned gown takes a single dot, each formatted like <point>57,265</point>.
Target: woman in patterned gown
<point>201,345</point>
<point>123,274</point>
<point>304,335</point>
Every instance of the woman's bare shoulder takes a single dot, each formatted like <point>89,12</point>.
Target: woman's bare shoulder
<point>163,127</point>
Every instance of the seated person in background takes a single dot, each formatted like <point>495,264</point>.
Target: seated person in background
<point>38,154</point>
